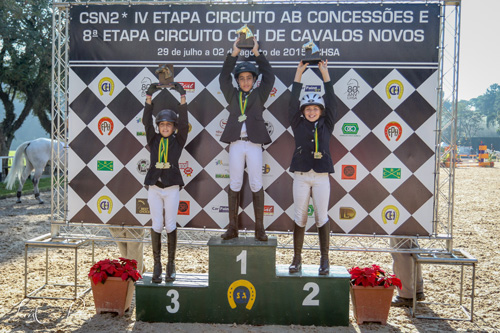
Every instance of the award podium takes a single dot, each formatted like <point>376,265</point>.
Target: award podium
<point>245,286</point>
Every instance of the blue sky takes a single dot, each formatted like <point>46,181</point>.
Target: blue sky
<point>479,47</point>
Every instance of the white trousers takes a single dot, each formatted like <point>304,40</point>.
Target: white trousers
<point>163,199</point>
<point>303,184</point>
<point>239,153</point>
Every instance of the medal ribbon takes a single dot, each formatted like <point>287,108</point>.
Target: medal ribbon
<point>316,143</point>
<point>243,106</point>
<point>163,150</point>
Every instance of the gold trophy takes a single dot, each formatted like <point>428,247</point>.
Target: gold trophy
<point>165,75</point>
<point>312,53</point>
<point>246,37</point>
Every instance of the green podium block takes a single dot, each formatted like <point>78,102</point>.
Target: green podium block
<point>245,286</point>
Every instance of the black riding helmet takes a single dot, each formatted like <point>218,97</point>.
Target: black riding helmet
<point>245,66</point>
<point>166,115</point>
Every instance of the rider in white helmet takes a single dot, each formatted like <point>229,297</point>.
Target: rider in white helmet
<point>312,118</point>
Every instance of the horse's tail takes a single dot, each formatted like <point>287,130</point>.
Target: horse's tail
<point>17,166</point>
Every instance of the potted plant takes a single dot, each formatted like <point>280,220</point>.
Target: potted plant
<point>112,284</point>
<point>371,292</point>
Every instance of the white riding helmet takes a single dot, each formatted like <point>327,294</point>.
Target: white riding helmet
<point>312,99</point>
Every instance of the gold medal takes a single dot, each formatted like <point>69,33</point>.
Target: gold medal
<point>159,165</point>
<point>166,165</point>
<point>318,155</point>
<point>242,118</point>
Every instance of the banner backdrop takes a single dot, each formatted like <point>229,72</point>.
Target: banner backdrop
<point>383,60</point>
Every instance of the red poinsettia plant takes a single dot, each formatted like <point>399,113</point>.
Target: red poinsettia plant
<point>124,268</point>
<point>373,276</point>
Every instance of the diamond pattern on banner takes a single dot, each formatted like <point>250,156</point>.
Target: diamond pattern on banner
<point>412,194</point>
<point>75,126</point>
<point>426,174</point>
<point>271,169</point>
<point>106,86</point>
<point>188,166</point>
<point>104,204</point>
<point>428,90</point>
<point>278,110</point>
<point>124,185</point>
<point>214,89</point>
<point>218,209</point>
<point>391,173</point>
<point>369,193</point>
<point>389,215</point>
<point>271,210</point>
<point>217,125</point>
<point>188,207</point>
<point>76,164</point>
<point>274,127</point>
<point>351,88</point>
<point>351,130</point>
<point>136,127</point>
<point>139,207</point>
<point>205,108</point>
<point>426,132</point>
<point>87,106</point>
<point>282,149</point>
<point>86,184</point>
<point>348,182</point>
<point>106,126</point>
<point>191,84</point>
<point>75,203</point>
<point>204,148</point>
<point>123,215</point>
<point>76,85</point>
<point>218,168</point>
<point>139,164</point>
<point>370,151</point>
<point>278,89</point>
<point>86,145</point>
<point>125,107</point>
<point>413,152</point>
<point>121,140</point>
<point>392,131</point>
<point>394,89</point>
<point>283,184</point>
<point>347,213</point>
<point>372,110</point>
<point>202,188</point>
<point>140,84</point>
<point>412,118</point>
<point>424,216</point>
<point>105,165</point>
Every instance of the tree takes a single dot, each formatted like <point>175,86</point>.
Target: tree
<point>468,121</point>
<point>488,104</point>
<point>25,64</point>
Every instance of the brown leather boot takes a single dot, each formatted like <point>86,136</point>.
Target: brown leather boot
<point>156,243</point>
<point>324,247</point>
<point>172,245</point>
<point>258,207</point>
<point>232,227</point>
<point>298,241</point>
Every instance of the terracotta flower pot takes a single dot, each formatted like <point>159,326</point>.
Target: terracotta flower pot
<point>371,304</point>
<point>115,295</point>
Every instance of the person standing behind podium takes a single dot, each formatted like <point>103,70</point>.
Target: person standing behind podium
<point>312,119</point>
<point>246,132</point>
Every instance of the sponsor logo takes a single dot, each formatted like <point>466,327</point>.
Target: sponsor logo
<point>312,88</point>
<point>347,213</point>
<point>350,128</point>
<point>390,214</point>
<point>241,292</point>
<point>143,166</point>
<point>104,165</point>
<point>223,123</point>
<point>188,86</point>
<point>393,130</point>
<point>270,127</point>
<point>348,171</point>
<point>352,89</point>
<point>391,173</point>
<point>221,209</point>
<point>140,133</point>
<point>188,171</point>
<point>220,162</point>
<point>266,169</point>
<point>142,206</point>
<point>106,85</point>
<point>310,211</point>
<point>104,125</point>
<point>394,88</point>
<point>221,175</point>
<point>273,92</point>
<point>104,203</point>
<point>190,127</point>
<point>268,210</point>
<point>145,83</point>
<point>184,207</point>
<point>138,120</point>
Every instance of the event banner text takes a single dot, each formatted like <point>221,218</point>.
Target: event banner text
<point>200,33</point>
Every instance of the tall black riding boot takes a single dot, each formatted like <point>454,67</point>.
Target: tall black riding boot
<point>298,241</point>
<point>258,208</point>
<point>172,245</point>
<point>156,243</point>
<point>232,227</point>
<point>324,247</point>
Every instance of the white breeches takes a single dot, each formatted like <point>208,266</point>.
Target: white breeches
<point>303,183</point>
<point>161,199</point>
<point>239,153</point>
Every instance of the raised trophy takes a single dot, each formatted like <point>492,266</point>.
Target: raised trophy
<point>165,75</point>
<point>246,37</point>
<point>312,53</point>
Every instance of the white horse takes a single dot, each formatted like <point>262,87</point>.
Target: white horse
<point>37,153</point>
